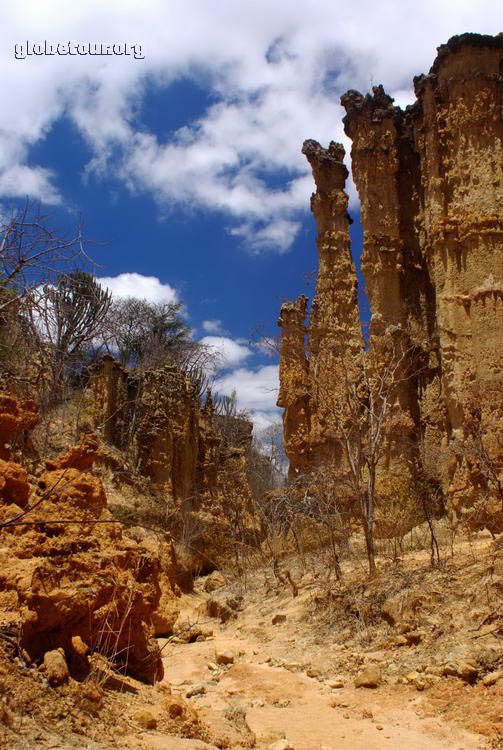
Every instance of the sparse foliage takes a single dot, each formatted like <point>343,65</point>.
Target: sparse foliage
<point>145,333</point>
<point>64,318</point>
<point>32,252</point>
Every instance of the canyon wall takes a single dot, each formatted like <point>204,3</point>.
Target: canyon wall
<point>430,182</point>
<point>194,459</point>
<point>69,577</point>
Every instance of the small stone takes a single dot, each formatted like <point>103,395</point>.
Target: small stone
<point>492,678</point>
<point>56,667</point>
<point>277,619</point>
<point>281,745</point>
<point>313,672</point>
<point>224,657</point>
<point>213,582</point>
<point>414,637</point>
<point>145,719</point>
<point>412,676</point>
<point>79,646</point>
<point>220,609</point>
<point>200,638</point>
<point>292,666</point>
<point>369,678</point>
<point>379,727</point>
<point>196,689</point>
<point>335,684</point>
<point>257,703</point>
<point>465,670</point>
<point>211,665</point>
<point>174,706</point>
<point>91,697</point>
<point>399,641</point>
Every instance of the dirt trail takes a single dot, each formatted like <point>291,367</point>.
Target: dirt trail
<point>283,701</point>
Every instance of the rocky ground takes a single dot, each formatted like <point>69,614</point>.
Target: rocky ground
<point>413,659</point>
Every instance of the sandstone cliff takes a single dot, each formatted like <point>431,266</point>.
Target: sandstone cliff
<point>430,181</point>
<point>194,459</point>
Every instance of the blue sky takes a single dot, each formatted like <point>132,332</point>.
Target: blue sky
<point>187,162</point>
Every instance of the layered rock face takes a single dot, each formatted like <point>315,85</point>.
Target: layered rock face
<point>69,578</point>
<point>458,133</point>
<point>197,463</point>
<point>334,332</point>
<point>430,181</point>
<point>309,383</point>
<point>294,394</point>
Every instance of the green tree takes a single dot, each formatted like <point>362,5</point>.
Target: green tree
<point>144,333</point>
<point>67,316</point>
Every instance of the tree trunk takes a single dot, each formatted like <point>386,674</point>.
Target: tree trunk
<point>368,521</point>
<point>369,543</point>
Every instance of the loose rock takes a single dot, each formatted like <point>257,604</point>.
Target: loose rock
<point>56,667</point>
<point>145,719</point>
<point>492,678</point>
<point>198,688</point>
<point>214,581</point>
<point>281,745</point>
<point>277,619</point>
<point>335,684</point>
<point>369,678</point>
<point>224,657</point>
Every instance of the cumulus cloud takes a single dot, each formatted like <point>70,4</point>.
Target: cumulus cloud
<point>264,419</point>
<point>230,353</point>
<point>256,389</point>
<point>273,74</point>
<point>142,287</point>
<point>213,326</point>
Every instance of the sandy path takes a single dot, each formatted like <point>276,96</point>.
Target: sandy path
<point>279,702</point>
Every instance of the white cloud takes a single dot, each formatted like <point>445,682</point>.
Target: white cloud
<point>230,353</point>
<point>213,326</point>
<point>257,390</point>
<point>142,287</point>
<point>274,73</point>
<point>264,419</point>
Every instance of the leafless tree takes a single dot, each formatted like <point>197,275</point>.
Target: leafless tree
<point>365,416</point>
<point>264,342</point>
<point>32,252</point>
